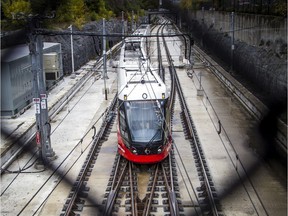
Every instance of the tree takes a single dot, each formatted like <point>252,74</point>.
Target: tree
<point>43,6</point>
<point>99,10</point>
<point>71,11</point>
<point>187,4</point>
<point>17,7</point>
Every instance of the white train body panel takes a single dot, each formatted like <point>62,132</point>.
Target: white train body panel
<point>136,79</point>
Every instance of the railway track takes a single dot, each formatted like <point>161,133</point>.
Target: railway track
<point>206,191</point>
<point>162,191</point>
<point>75,199</point>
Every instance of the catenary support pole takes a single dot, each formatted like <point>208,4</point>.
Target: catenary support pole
<point>72,52</point>
<point>104,73</point>
<point>123,26</point>
<point>46,153</point>
<point>232,42</point>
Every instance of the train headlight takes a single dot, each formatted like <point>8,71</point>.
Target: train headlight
<point>134,151</point>
<point>125,97</point>
<point>163,95</point>
<point>159,150</point>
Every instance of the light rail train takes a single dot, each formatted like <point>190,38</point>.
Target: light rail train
<point>144,130</point>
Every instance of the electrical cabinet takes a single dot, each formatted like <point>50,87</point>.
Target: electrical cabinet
<point>17,90</point>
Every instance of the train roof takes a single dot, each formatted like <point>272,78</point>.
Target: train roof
<point>140,85</point>
<point>136,79</point>
<point>142,30</point>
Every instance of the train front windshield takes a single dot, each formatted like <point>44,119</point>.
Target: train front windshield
<point>145,120</point>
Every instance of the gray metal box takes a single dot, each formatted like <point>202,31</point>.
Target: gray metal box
<point>17,79</point>
<point>51,66</point>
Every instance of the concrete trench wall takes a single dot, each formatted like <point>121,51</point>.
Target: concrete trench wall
<point>269,32</point>
<point>260,54</point>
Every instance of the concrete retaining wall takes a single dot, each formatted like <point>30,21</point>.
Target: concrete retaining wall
<point>256,30</point>
<point>261,65</point>
<point>85,47</point>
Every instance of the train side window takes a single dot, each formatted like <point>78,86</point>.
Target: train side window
<point>123,125</point>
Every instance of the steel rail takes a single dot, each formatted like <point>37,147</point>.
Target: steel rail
<point>174,208</point>
<point>173,203</point>
<point>191,130</point>
<point>132,193</point>
<point>193,136</point>
<point>115,187</point>
<point>148,202</point>
<point>90,158</point>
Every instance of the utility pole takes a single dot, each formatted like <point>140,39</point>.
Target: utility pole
<point>123,26</point>
<point>132,22</point>
<point>203,24</point>
<point>104,73</point>
<point>232,42</point>
<point>46,153</point>
<point>72,53</point>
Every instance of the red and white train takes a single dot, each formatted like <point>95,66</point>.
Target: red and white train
<point>144,130</point>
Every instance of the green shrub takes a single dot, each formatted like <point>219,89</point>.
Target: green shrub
<point>16,9</point>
